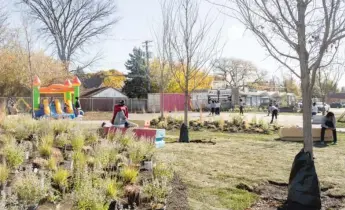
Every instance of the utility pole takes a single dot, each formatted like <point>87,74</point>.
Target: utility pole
<point>146,44</point>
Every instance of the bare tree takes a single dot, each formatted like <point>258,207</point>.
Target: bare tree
<point>327,80</point>
<point>190,49</point>
<point>237,73</point>
<point>161,41</point>
<point>3,21</point>
<point>72,24</point>
<point>301,34</point>
<point>28,47</point>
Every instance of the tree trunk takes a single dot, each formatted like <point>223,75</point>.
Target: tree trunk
<point>307,127</point>
<point>162,93</point>
<point>305,77</point>
<point>323,105</point>
<point>162,103</point>
<point>186,100</point>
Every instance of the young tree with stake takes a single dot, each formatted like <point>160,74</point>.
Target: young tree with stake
<point>189,49</point>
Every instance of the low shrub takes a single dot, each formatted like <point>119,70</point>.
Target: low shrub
<point>162,171</point>
<point>90,197</point>
<point>126,140</point>
<point>129,175</point>
<point>52,165</point>
<point>3,173</point>
<point>105,154</point>
<point>157,190</point>
<point>140,150</point>
<point>47,139</point>
<point>29,189</point>
<point>14,155</point>
<point>91,138</point>
<point>112,189</point>
<point>79,159</point>
<point>61,140</point>
<point>60,178</point>
<point>78,141</point>
<point>45,150</point>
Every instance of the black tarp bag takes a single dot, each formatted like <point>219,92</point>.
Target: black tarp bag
<point>304,187</point>
<point>184,137</point>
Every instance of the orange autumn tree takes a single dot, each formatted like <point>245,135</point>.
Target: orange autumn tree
<point>15,78</point>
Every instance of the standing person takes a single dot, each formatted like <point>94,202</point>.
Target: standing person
<point>241,106</point>
<point>77,106</point>
<point>10,104</point>
<point>328,122</point>
<point>314,109</point>
<point>213,107</point>
<point>268,109</point>
<point>274,112</point>
<point>217,107</point>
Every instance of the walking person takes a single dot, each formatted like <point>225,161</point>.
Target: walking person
<point>274,112</point>
<point>328,122</point>
<point>241,106</point>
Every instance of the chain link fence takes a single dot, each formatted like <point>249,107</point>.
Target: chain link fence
<point>23,104</point>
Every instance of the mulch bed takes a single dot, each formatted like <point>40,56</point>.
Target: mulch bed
<point>273,197</point>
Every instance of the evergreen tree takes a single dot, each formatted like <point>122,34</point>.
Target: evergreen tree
<point>136,82</point>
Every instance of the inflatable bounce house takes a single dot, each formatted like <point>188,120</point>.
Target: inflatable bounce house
<point>54,109</point>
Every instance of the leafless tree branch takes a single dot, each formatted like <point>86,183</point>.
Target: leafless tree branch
<point>302,32</point>
<point>72,24</point>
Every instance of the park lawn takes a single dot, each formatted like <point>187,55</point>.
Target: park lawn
<point>340,124</point>
<point>212,172</point>
<point>98,116</point>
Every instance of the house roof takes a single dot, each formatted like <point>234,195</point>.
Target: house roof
<point>93,82</point>
<point>94,91</point>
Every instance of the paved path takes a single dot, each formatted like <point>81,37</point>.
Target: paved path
<point>283,119</point>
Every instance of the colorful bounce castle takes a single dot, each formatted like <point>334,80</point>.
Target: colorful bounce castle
<point>54,109</point>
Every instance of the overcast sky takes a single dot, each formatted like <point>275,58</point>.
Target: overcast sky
<point>139,19</point>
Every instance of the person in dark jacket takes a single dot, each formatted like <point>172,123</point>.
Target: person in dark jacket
<point>274,110</point>
<point>77,103</point>
<point>328,122</point>
<point>241,106</point>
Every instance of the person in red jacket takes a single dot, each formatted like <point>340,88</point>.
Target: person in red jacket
<point>120,107</point>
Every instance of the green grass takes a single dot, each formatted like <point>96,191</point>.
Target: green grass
<point>340,124</point>
<point>215,170</point>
